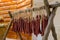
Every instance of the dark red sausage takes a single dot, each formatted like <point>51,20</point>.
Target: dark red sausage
<point>37,25</point>
<point>44,23</point>
<point>27,26</point>
<point>38,17</point>
<point>30,27</point>
<point>14,28</point>
<point>22,25</point>
<point>19,25</point>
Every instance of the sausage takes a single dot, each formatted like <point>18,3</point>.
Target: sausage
<point>26,26</point>
<point>34,27</point>
<point>30,27</point>
<point>19,25</point>
<point>14,28</point>
<point>37,26</point>
<point>44,23</point>
<point>38,17</point>
<point>22,25</point>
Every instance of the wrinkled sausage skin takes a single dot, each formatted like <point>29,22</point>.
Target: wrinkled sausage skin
<point>44,23</point>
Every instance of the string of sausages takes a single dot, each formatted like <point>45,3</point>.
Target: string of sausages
<point>30,26</point>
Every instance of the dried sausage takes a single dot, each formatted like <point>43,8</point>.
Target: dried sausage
<point>14,28</point>
<point>37,26</point>
<point>44,23</point>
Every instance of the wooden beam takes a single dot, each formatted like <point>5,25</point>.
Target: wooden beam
<point>49,25</point>
<point>36,9</point>
<point>47,7</point>
<point>8,28</point>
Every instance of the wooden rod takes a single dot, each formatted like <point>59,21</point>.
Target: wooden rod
<point>8,28</point>
<point>42,7</point>
<point>47,7</point>
<point>37,8</point>
<point>50,24</point>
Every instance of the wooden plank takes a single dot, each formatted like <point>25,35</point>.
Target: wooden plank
<point>11,3</point>
<point>7,19</point>
<point>3,12</point>
<point>15,6</point>
<point>5,15</point>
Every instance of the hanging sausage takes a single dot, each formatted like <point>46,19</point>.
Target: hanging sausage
<point>19,24</point>
<point>37,25</point>
<point>44,23</point>
<point>22,25</point>
<point>27,25</point>
<point>30,27</point>
<point>14,28</point>
<point>38,17</point>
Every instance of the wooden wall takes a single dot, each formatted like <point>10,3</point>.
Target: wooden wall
<point>6,5</point>
<point>12,6</point>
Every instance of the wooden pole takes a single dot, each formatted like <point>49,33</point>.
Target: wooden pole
<point>47,7</point>
<point>53,32</point>
<point>8,28</point>
<point>50,25</point>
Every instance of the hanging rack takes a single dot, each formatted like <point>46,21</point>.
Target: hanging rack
<point>29,10</point>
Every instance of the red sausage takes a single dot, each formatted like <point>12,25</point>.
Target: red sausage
<point>14,28</point>
<point>27,26</point>
<point>19,25</point>
<point>44,23</point>
<point>37,26</point>
<point>30,27</point>
<point>38,23</point>
<point>22,25</point>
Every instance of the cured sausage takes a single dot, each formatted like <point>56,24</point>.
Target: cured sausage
<point>44,23</point>
<point>30,27</point>
<point>38,17</point>
<point>37,26</point>
<point>19,25</point>
<point>34,26</point>
<point>22,25</point>
<point>26,25</point>
<point>14,28</point>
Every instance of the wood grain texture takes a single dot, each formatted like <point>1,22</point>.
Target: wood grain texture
<point>11,5</point>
